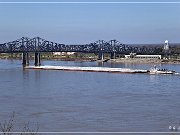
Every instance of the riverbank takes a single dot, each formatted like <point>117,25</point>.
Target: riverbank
<point>118,60</point>
<point>146,61</point>
<point>53,58</point>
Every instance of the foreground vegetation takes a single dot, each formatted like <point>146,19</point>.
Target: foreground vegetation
<point>8,127</point>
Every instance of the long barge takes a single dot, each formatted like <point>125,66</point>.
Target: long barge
<point>88,69</point>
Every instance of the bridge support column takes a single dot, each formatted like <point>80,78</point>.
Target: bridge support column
<point>37,59</point>
<point>101,56</point>
<point>113,55</point>
<point>25,59</point>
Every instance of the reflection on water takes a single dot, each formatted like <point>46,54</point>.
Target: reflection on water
<point>90,101</point>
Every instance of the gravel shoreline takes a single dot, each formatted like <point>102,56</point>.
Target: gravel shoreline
<point>147,61</point>
<point>118,60</point>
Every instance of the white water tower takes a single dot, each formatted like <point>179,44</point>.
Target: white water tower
<point>166,50</point>
<point>166,45</point>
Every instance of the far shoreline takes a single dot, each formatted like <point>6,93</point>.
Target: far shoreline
<point>118,60</point>
<point>146,61</point>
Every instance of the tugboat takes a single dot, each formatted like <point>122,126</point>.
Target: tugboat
<point>156,70</point>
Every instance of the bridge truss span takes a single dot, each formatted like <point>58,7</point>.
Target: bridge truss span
<point>38,44</point>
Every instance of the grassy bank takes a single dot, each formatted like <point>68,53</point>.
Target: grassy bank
<point>50,56</point>
<point>92,57</point>
<point>147,61</point>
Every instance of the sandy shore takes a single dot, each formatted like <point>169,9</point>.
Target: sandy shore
<point>118,60</point>
<point>146,61</point>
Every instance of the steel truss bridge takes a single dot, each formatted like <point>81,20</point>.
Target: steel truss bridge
<point>37,45</point>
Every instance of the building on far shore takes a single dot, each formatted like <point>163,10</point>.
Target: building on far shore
<point>133,55</point>
<point>63,53</point>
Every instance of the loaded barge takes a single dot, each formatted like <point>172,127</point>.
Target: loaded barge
<point>89,69</point>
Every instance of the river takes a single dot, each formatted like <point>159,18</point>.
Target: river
<point>72,101</point>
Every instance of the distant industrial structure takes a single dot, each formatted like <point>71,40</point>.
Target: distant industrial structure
<point>166,45</point>
<point>157,56</point>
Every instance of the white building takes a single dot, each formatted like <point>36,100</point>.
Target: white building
<point>63,53</point>
<point>144,56</point>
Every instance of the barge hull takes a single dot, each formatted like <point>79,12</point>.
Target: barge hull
<point>88,69</point>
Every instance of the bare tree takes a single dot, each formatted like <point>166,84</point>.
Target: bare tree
<point>27,130</point>
<point>7,127</point>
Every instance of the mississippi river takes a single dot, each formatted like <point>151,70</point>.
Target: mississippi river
<point>89,101</point>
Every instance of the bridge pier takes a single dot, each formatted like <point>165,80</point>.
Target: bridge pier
<point>113,55</point>
<point>101,56</point>
<point>37,59</point>
<point>25,59</point>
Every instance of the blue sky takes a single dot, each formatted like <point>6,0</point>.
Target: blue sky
<point>85,23</point>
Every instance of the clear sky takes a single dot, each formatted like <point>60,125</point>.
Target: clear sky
<point>86,23</point>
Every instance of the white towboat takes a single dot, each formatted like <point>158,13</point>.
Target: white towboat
<point>156,70</point>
